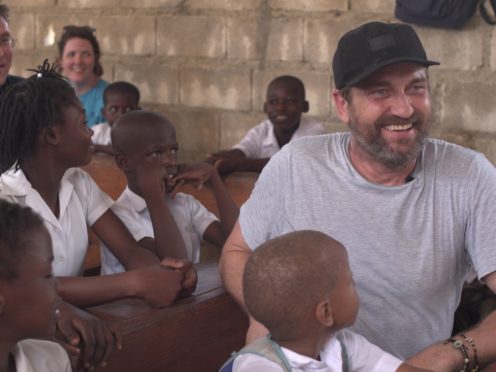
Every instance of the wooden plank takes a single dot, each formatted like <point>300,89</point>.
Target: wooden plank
<point>197,333</point>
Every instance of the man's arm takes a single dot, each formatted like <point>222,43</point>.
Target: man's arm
<point>444,357</point>
<point>232,265</point>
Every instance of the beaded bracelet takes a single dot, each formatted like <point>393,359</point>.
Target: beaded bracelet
<point>471,342</point>
<point>458,344</point>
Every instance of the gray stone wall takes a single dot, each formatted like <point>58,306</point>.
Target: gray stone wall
<point>206,63</point>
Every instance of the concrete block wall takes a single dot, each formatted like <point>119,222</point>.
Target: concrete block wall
<point>206,63</point>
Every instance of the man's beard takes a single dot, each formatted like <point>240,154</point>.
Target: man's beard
<point>372,142</point>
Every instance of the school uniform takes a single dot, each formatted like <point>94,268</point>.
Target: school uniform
<point>40,356</point>
<point>191,217</point>
<point>101,134</point>
<point>260,142</point>
<point>81,204</point>
<point>361,356</point>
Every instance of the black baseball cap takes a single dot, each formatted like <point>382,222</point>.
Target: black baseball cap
<point>373,45</point>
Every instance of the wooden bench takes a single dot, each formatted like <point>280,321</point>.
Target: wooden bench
<point>111,180</point>
<point>197,333</point>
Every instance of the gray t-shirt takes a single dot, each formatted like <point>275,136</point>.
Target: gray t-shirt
<point>410,246</point>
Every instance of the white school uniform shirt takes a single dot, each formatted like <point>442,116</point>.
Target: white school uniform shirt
<point>191,217</point>
<point>362,357</point>
<point>101,134</point>
<point>260,142</point>
<point>81,203</point>
<point>40,356</point>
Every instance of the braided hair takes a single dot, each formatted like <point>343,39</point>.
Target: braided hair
<point>27,108</point>
<point>15,224</point>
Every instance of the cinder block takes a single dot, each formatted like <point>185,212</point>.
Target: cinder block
<point>244,38</point>
<point>469,106</point>
<point>21,62</point>
<point>285,39</point>
<point>461,50</point>
<point>197,132</point>
<point>49,28</point>
<point>462,139</point>
<point>373,6</point>
<point>317,89</point>
<point>486,145</point>
<point>157,84</point>
<point>234,126</point>
<point>191,36</point>
<point>223,4</point>
<point>310,5</point>
<point>118,3</point>
<point>321,37</point>
<point>493,52</point>
<point>224,89</point>
<point>126,35</point>
<point>22,29</point>
<point>13,4</point>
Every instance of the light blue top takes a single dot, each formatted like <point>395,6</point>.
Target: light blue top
<point>93,103</point>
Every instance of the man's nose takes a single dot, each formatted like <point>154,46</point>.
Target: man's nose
<point>402,106</point>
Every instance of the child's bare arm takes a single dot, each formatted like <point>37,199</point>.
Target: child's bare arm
<point>157,285</point>
<point>152,180</point>
<point>205,174</point>
<point>235,160</point>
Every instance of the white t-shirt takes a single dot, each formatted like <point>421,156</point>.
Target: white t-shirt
<point>409,246</point>
<point>362,357</point>
<point>81,203</point>
<point>40,356</point>
<point>260,142</point>
<point>191,217</point>
<point>101,134</point>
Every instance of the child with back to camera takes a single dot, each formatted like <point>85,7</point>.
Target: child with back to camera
<point>300,287</point>
<point>145,143</point>
<point>118,98</point>
<point>43,141</point>
<point>284,105</point>
<point>28,296</point>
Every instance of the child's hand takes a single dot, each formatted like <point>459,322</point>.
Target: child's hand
<point>158,285</point>
<point>80,332</point>
<point>190,275</point>
<point>226,161</point>
<point>196,174</point>
<point>152,178</point>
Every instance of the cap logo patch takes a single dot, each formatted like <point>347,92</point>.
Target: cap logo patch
<point>382,42</point>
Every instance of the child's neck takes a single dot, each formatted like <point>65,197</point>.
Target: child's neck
<point>307,345</point>
<point>45,180</point>
<point>7,360</point>
<point>284,136</point>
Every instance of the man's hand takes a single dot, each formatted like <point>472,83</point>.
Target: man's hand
<point>82,333</point>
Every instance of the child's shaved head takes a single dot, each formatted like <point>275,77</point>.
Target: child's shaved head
<point>136,129</point>
<point>286,277</point>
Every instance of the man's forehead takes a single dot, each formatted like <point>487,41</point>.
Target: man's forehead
<point>412,71</point>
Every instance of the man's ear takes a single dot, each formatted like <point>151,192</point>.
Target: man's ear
<point>323,313</point>
<point>51,135</point>
<point>342,106</point>
<point>306,106</point>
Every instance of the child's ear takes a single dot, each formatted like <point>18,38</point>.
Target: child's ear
<point>122,162</point>
<point>2,304</point>
<point>51,135</point>
<point>306,106</point>
<point>323,313</point>
<point>265,107</point>
<point>342,106</point>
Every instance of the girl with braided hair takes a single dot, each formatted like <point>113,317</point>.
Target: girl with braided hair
<point>43,140</point>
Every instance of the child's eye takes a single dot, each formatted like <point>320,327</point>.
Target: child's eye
<point>174,151</point>
<point>156,153</point>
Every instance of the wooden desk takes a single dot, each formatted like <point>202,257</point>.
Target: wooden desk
<point>197,333</point>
